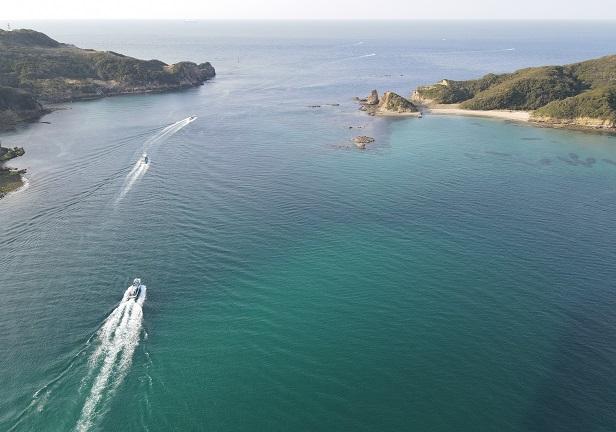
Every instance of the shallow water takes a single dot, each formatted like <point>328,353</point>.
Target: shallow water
<point>458,274</point>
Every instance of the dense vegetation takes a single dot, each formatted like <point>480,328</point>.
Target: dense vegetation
<point>599,103</point>
<point>450,91</point>
<point>583,89</point>
<point>54,72</point>
<point>17,105</point>
<point>526,90</point>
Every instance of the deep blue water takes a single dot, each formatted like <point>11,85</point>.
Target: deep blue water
<point>456,275</point>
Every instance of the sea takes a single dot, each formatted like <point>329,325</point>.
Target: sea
<point>456,275</point>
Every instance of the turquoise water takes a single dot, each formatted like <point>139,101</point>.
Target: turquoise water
<point>457,275</point>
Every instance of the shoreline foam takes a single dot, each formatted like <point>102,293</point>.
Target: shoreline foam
<point>9,186</point>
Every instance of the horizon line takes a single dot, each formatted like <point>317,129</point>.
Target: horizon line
<point>302,19</point>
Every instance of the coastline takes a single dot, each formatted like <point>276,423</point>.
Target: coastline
<point>11,181</point>
<point>520,117</point>
<point>508,115</point>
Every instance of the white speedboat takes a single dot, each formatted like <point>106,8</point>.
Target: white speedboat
<point>135,290</point>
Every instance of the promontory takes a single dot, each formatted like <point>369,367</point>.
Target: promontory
<point>36,70</point>
<point>578,95</point>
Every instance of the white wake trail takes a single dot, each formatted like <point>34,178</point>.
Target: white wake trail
<point>352,58</point>
<point>117,340</point>
<point>167,132</point>
<point>138,170</point>
<point>142,165</point>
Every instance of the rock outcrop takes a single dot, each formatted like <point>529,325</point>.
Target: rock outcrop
<point>373,99</point>
<point>7,153</point>
<point>389,104</point>
<point>10,178</point>
<point>575,122</point>
<point>392,103</point>
<point>361,141</point>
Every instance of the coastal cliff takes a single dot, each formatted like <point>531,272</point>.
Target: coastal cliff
<point>581,95</point>
<point>35,69</point>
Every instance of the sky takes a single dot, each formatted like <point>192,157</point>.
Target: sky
<point>307,9</point>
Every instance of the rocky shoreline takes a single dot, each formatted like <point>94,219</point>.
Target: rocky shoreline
<point>10,178</point>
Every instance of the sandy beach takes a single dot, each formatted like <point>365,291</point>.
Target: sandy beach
<point>521,116</point>
<point>397,114</point>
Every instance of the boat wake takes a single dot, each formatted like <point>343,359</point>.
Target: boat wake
<point>141,166</point>
<point>108,365</point>
<point>138,170</point>
<point>344,59</point>
<point>357,57</point>
<point>167,132</point>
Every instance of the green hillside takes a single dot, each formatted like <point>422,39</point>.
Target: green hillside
<point>599,103</point>
<point>584,89</point>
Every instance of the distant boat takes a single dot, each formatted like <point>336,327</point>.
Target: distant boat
<point>146,160</point>
<point>420,115</point>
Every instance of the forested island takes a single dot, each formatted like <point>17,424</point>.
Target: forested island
<point>36,70</point>
<point>580,95</point>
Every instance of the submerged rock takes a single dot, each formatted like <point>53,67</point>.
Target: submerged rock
<point>362,140</point>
